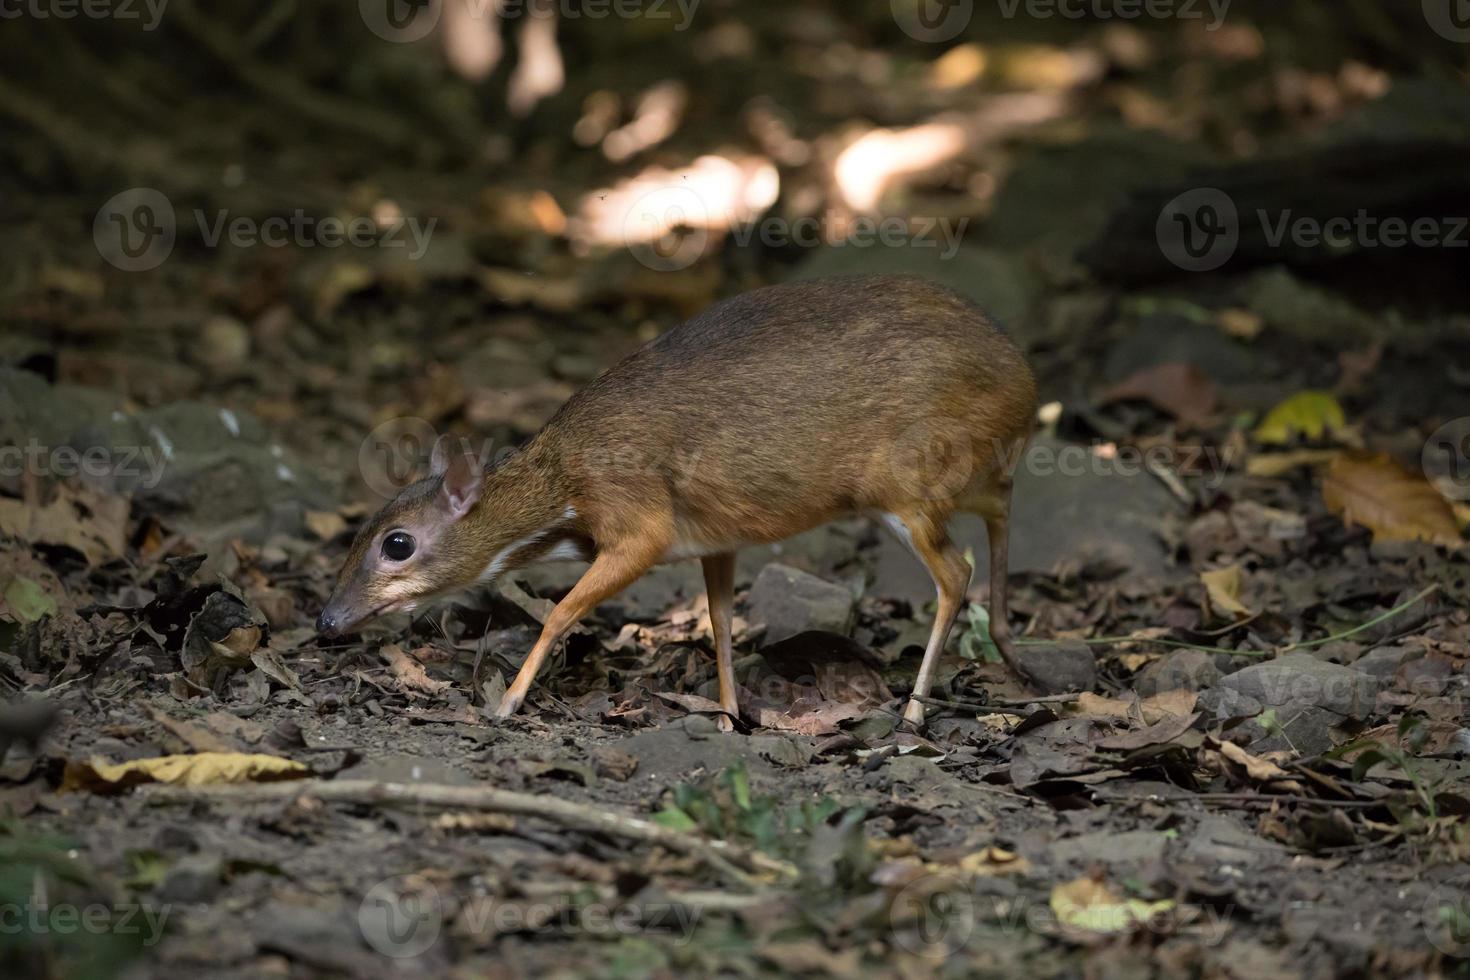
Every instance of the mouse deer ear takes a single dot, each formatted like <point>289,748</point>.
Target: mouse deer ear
<point>460,470</point>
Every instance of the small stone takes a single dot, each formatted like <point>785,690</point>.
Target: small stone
<point>1222,704</point>
<point>1299,679</point>
<point>1060,668</point>
<point>1426,676</point>
<point>1304,729</point>
<point>788,601</point>
<point>223,344</point>
<point>1189,670</point>
<point>699,726</point>
<point>192,879</point>
<point>614,763</point>
<point>1381,663</point>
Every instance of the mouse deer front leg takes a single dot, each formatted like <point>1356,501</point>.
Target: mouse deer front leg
<point>612,571</point>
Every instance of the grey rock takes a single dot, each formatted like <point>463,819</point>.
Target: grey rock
<point>1003,283</point>
<point>1059,668</point>
<point>1303,311</point>
<point>1164,338</point>
<point>213,471</point>
<point>1190,670</point>
<point>1059,197</point>
<point>1304,729</point>
<point>1380,663</point>
<point>1110,848</point>
<point>788,601</point>
<point>1425,676</point>
<point>1300,680</point>
<point>1223,704</point>
<point>192,879</point>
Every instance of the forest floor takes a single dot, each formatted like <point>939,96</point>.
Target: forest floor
<point>1238,576</point>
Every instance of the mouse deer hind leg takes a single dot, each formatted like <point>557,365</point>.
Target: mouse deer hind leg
<point>719,587</point>
<point>926,536</point>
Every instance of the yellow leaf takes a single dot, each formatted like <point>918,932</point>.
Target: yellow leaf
<point>1222,589</point>
<point>1091,905</point>
<point>325,524</point>
<point>1394,503</point>
<point>200,769</point>
<point>1279,464</point>
<point>1312,414</point>
<point>994,861</point>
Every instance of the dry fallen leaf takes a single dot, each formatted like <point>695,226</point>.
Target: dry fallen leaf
<point>408,672</point>
<point>1395,503</point>
<point>1259,769</point>
<point>324,524</point>
<point>1164,705</point>
<point>201,769</point>
<point>80,517</point>
<point>1279,464</point>
<point>1222,592</point>
<point>1091,905</point>
<point>1182,390</point>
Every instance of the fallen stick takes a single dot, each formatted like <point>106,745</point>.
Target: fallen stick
<point>1000,706</point>
<point>734,862</point>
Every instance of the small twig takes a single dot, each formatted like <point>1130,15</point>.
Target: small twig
<point>736,863</point>
<point>1423,594</point>
<point>1007,706</point>
<point>1169,479</point>
<point>1251,798</point>
<point>1275,652</point>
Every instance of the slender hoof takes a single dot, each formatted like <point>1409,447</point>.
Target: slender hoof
<point>724,724</point>
<point>914,714</point>
<point>508,705</point>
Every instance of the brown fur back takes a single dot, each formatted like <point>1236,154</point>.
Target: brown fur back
<point>784,407</point>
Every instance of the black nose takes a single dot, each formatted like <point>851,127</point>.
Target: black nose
<point>326,623</point>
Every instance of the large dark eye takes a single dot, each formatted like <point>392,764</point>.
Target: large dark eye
<point>398,546</point>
